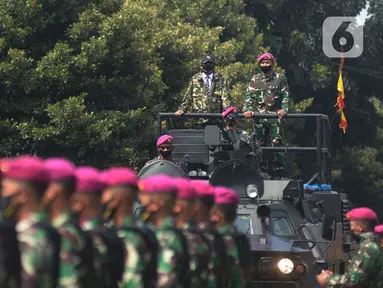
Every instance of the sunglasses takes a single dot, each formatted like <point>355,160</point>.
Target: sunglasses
<point>232,116</point>
<point>165,148</point>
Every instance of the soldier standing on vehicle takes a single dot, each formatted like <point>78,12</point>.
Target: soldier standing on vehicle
<point>198,244</point>
<point>86,204</point>
<point>165,148</point>
<point>117,199</point>
<point>223,215</point>
<point>76,266</point>
<point>207,91</point>
<point>218,269</point>
<point>365,269</point>
<point>25,181</point>
<point>268,93</point>
<point>158,196</point>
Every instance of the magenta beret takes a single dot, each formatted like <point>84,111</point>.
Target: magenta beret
<point>362,213</point>
<point>203,188</point>
<point>163,139</point>
<point>224,195</point>
<point>379,230</point>
<point>158,184</point>
<point>266,56</point>
<point>229,110</point>
<point>26,168</point>
<point>119,176</point>
<point>60,169</point>
<point>88,180</point>
<point>185,189</point>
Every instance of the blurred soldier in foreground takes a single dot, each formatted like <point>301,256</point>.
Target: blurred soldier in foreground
<point>24,183</point>
<point>158,196</point>
<point>379,232</point>
<point>198,245</point>
<point>76,266</point>
<point>207,91</point>
<point>365,269</point>
<point>118,198</point>
<point>223,215</point>
<point>86,204</point>
<point>9,252</point>
<point>218,264</point>
<point>165,148</point>
<point>268,93</point>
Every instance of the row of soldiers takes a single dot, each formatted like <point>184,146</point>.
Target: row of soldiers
<point>53,231</point>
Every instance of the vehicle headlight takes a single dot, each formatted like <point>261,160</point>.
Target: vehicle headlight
<point>202,173</point>
<point>252,191</point>
<point>286,266</point>
<point>193,173</point>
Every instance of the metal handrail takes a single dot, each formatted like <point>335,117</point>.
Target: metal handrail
<point>322,135</point>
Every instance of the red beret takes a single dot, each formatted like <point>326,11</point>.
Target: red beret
<point>163,139</point>
<point>158,184</point>
<point>224,195</point>
<point>60,169</point>
<point>362,213</point>
<point>185,189</point>
<point>266,56</point>
<point>379,230</point>
<point>203,188</point>
<point>27,168</point>
<point>119,176</point>
<point>88,180</point>
<point>229,110</point>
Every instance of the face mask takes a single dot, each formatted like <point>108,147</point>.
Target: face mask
<point>230,122</point>
<point>75,216</point>
<point>165,153</point>
<point>355,237</point>
<point>266,68</point>
<point>107,213</point>
<point>7,208</point>
<point>144,214</point>
<point>208,67</point>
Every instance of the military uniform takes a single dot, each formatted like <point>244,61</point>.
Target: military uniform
<point>379,232</point>
<point>172,268</point>
<point>197,99</point>
<point>267,95</point>
<point>76,267</point>
<point>366,267</point>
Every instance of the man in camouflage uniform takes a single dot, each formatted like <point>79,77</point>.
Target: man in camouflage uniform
<point>207,91</point>
<point>76,269</point>
<point>366,268</point>
<point>198,244</point>
<point>24,183</point>
<point>218,262</point>
<point>86,206</point>
<point>118,198</point>
<point>158,196</point>
<point>223,215</point>
<point>268,93</point>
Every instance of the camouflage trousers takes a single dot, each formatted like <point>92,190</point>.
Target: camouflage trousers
<point>268,134</point>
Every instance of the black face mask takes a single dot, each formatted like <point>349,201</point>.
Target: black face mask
<point>7,208</point>
<point>355,237</point>
<point>165,153</point>
<point>231,122</point>
<point>266,68</point>
<point>208,67</point>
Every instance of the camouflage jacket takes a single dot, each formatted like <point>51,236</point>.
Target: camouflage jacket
<point>37,253</point>
<point>215,259</point>
<point>136,262</point>
<point>199,256</point>
<point>236,277</point>
<point>196,99</point>
<point>100,251</point>
<point>365,269</point>
<point>73,270</point>
<point>266,95</point>
<point>170,256</point>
